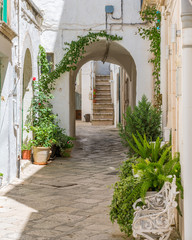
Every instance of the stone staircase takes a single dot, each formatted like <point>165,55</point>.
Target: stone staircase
<point>103,109</point>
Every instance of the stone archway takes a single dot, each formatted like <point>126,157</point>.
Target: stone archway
<point>27,93</point>
<point>111,52</point>
<point>64,93</point>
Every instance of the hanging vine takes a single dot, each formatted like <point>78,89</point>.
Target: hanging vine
<point>41,120</point>
<point>153,33</point>
<point>75,51</point>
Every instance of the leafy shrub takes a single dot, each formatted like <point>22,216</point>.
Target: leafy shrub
<point>154,174</point>
<point>144,119</point>
<point>126,192</point>
<point>153,166</point>
<point>43,134</point>
<point>152,150</point>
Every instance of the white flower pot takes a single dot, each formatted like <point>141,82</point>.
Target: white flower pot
<point>41,155</point>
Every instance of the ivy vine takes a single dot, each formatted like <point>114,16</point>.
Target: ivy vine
<point>41,120</point>
<point>153,33</point>
<point>75,51</point>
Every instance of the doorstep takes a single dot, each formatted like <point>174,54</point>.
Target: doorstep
<point>24,164</point>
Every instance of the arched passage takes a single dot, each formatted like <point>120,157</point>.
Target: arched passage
<point>111,52</point>
<point>27,93</point>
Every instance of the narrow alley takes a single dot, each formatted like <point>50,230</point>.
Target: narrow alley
<point>68,198</point>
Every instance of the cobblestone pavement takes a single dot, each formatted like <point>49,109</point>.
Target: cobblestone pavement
<point>69,198</point>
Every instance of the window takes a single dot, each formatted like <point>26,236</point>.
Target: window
<point>50,58</point>
<point>3,10</point>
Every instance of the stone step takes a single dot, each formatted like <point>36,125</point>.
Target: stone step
<point>103,110</point>
<point>24,164</point>
<point>102,122</point>
<point>103,84</point>
<point>102,77</point>
<point>103,91</point>
<point>102,105</point>
<point>103,87</point>
<point>103,100</point>
<point>98,116</point>
<point>103,95</point>
<point>102,81</point>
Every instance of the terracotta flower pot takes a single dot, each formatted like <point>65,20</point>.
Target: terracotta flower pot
<point>26,154</point>
<point>41,155</point>
<point>66,152</point>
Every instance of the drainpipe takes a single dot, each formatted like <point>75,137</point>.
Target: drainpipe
<point>186,17</point>
<point>121,16</point>
<point>164,71</point>
<point>92,76</point>
<point>19,131</point>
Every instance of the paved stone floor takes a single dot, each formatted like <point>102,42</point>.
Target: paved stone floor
<point>67,199</point>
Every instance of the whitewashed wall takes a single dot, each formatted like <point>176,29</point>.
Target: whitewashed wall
<point>77,18</point>
<point>86,89</point>
<point>25,21</point>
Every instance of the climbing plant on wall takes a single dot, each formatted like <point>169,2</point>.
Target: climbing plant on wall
<point>75,51</point>
<point>41,108</point>
<point>152,33</point>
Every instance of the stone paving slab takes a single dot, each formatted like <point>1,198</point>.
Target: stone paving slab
<point>67,199</point>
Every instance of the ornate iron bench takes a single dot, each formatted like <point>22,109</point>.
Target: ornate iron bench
<point>157,216</point>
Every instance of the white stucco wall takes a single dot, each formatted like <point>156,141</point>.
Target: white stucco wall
<point>78,17</point>
<point>102,68</point>
<point>115,70</point>
<point>25,23</point>
<point>86,89</point>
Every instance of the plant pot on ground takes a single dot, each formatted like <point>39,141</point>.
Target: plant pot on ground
<point>42,142</point>
<point>41,155</point>
<point>66,152</point>
<point>67,147</point>
<point>26,151</point>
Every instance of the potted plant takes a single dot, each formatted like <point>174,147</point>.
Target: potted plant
<point>1,179</point>
<point>67,148</point>
<point>26,151</point>
<point>94,95</point>
<point>60,138</point>
<point>42,142</point>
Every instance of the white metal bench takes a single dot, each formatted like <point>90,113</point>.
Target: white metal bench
<point>155,219</point>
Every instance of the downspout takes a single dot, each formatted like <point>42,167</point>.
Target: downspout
<point>19,132</point>
<point>93,84</point>
<point>119,95</point>
<point>114,18</point>
<point>121,16</point>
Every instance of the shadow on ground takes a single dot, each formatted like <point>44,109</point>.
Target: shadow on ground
<point>69,198</point>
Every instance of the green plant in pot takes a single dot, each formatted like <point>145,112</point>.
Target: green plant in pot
<point>67,147</point>
<point>26,150</point>
<point>42,142</point>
